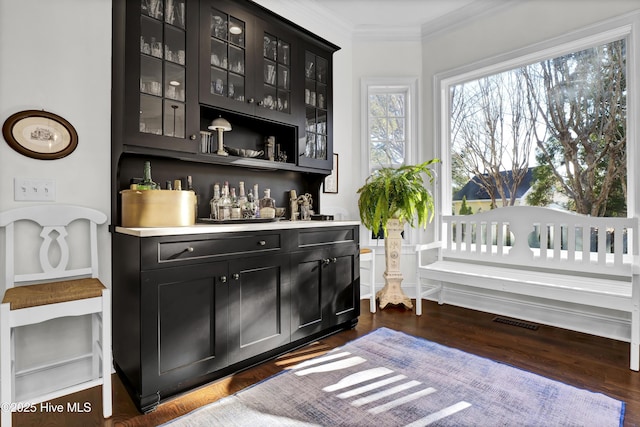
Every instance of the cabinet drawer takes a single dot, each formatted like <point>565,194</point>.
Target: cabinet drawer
<point>326,236</point>
<point>207,249</point>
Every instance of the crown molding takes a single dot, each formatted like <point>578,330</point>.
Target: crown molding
<point>311,15</point>
<point>387,33</point>
<point>463,16</point>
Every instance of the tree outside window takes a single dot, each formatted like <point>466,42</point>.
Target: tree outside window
<point>557,126</point>
<point>387,127</point>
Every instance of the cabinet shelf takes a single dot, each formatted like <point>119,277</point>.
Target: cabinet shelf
<point>210,158</point>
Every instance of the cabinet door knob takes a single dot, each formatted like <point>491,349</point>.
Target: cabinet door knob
<point>334,259</point>
<point>192,137</point>
<point>223,279</point>
<point>251,100</point>
<point>236,276</point>
<point>326,261</point>
<point>262,243</point>
<point>190,249</point>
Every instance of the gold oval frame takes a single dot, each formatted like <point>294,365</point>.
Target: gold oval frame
<point>40,135</point>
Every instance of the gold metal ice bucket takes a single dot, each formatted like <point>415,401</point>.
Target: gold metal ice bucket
<point>158,208</point>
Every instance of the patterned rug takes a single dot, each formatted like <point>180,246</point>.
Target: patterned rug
<point>388,378</point>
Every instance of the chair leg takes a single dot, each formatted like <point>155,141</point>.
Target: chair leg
<point>634,355</point>
<point>107,408</point>
<point>96,345</point>
<point>6,377</point>
<point>372,301</point>
<point>418,296</point>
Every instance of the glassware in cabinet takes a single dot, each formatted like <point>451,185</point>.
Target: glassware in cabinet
<point>227,56</point>
<point>162,68</point>
<point>315,99</point>
<point>276,72</point>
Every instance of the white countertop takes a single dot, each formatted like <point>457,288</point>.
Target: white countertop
<point>230,228</point>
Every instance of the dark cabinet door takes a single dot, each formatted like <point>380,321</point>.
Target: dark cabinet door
<point>184,324</point>
<point>227,59</point>
<point>246,63</point>
<point>316,122</point>
<point>157,89</point>
<point>325,289</point>
<point>277,74</point>
<point>259,313</point>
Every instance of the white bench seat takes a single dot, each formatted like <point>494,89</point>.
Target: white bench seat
<point>542,253</point>
<point>603,292</point>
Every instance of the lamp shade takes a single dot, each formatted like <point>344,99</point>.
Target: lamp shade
<point>220,123</point>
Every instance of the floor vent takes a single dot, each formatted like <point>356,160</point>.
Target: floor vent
<point>518,323</point>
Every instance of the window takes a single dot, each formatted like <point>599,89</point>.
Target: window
<point>389,111</point>
<point>387,124</point>
<point>389,128</point>
<point>548,128</point>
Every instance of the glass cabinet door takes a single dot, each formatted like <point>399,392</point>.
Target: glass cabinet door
<point>162,67</point>
<point>315,100</point>
<point>224,56</point>
<point>276,58</point>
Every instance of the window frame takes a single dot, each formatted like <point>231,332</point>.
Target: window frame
<point>410,86</point>
<point>626,27</point>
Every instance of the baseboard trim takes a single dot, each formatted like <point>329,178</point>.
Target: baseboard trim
<point>590,320</point>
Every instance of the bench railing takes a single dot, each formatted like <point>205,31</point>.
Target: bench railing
<point>527,234</point>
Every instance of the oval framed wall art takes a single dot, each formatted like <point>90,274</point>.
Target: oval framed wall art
<point>40,135</point>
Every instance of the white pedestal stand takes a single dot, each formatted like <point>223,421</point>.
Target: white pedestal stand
<point>392,292</point>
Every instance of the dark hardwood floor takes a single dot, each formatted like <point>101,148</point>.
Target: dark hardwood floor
<point>585,361</point>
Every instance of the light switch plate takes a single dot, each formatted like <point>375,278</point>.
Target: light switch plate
<point>34,190</point>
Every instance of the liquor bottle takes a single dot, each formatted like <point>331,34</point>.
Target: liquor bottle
<point>177,184</point>
<point>147,183</point>
<point>236,213</point>
<point>191,188</point>
<point>224,207</point>
<point>249,208</point>
<point>256,197</point>
<point>267,205</point>
<point>213,203</point>
<point>242,197</point>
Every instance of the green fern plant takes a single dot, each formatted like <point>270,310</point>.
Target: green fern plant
<point>397,193</point>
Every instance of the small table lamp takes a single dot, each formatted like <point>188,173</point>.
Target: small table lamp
<point>221,125</point>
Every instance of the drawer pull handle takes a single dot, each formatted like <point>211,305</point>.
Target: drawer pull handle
<point>223,279</point>
<point>177,255</point>
<point>236,276</point>
<point>262,243</point>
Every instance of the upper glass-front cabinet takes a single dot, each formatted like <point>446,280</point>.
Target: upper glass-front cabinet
<point>225,62</point>
<point>317,144</point>
<point>245,63</point>
<point>179,63</point>
<point>163,67</point>
<point>276,93</point>
<point>228,56</point>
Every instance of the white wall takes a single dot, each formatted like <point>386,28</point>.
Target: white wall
<point>56,56</point>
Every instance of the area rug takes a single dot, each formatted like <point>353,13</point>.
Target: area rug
<point>388,378</point>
